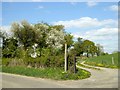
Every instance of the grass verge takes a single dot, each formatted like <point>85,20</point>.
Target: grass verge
<point>50,73</point>
<point>88,66</point>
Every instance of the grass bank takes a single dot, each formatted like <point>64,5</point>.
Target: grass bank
<point>50,73</point>
<point>108,61</point>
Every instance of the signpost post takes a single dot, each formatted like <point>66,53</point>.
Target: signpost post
<point>65,57</point>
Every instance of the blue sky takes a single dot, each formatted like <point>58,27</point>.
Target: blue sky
<point>50,12</point>
<point>96,21</point>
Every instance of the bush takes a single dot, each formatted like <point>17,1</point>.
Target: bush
<point>12,62</point>
<point>6,61</point>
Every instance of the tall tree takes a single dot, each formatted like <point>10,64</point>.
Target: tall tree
<point>79,47</point>
<point>93,50</point>
<point>25,33</point>
<point>99,49</point>
<point>42,29</point>
<point>88,45</point>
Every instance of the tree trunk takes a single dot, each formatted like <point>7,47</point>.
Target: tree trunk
<point>87,54</point>
<point>74,63</point>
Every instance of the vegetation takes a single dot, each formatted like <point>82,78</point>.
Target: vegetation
<point>90,67</point>
<point>109,61</point>
<point>41,47</point>
<point>51,73</point>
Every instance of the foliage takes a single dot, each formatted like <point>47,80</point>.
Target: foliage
<point>68,38</point>
<point>6,61</point>
<point>78,46</point>
<point>87,46</point>
<point>55,38</point>
<point>12,62</point>
<point>9,47</point>
<point>25,33</point>
<point>41,31</point>
<point>42,45</point>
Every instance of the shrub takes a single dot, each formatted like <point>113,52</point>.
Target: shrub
<point>6,61</point>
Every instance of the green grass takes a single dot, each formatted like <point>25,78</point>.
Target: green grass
<point>104,61</point>
<point>50,73</point>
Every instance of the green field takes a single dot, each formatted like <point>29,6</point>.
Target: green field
<point>109,61</point>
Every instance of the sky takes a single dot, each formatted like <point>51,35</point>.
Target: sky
<point>96,21</point>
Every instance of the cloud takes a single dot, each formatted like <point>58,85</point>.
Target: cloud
<point>86,22</point>
<point>99,34</point>
<point>107,37</point>
<point>40,7</point>
<point>37,0</point>
<point>104,32</point>
<point>91,3</point>
<point>6,29</point>
<point>114,8</point>
<point>73,3</point>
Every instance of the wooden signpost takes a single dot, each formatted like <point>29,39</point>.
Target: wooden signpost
<point>65,57</point>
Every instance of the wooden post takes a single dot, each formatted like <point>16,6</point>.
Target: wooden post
<point>65,57</point>
<point>113,60</point>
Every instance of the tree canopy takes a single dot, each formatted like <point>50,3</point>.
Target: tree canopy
<point>43,44</point>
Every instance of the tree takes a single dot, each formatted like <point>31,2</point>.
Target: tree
<point>9,47</point>
<point>55,37</point>
<point>42,29</point>
<point>99,49</point>
<point>88,47</point>
<point>93,50</point>
<point>25,33</point>
<point>68,38</point>
<point>78,46</point>
<point>2,38</point>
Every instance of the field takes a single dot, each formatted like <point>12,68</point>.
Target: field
<point>110,61</point>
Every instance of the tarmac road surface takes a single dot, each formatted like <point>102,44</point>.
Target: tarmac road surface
<point>104,78</point>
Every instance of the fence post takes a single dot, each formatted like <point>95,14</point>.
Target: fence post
<point>113,60</point>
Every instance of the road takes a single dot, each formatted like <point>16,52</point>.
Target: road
<point>105,78</point>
